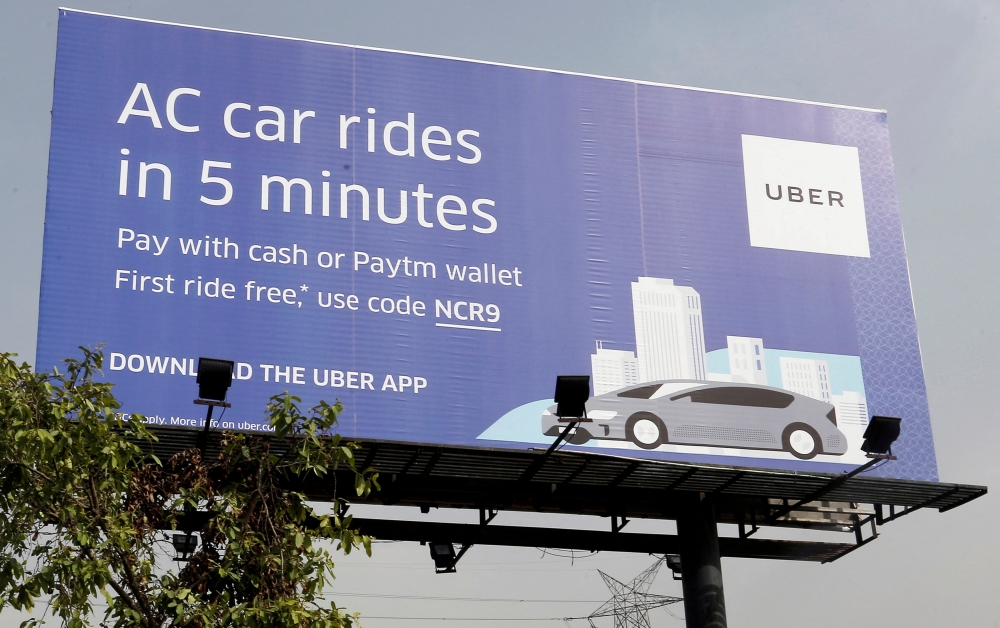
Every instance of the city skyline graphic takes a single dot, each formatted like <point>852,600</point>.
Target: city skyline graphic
<point>668,322</point>
<point>669,333</point>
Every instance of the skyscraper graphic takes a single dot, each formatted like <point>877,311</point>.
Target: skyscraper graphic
<point>851,408</point>
<point>669,334</point>
<point>612,369</point>
<point>807,377</point>
<point>746,360</point>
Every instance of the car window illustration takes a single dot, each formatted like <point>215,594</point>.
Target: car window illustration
<point>672,388</point>
<point>643,392</point>
<point>739,396</point>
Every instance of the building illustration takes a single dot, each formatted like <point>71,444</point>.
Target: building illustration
<point>746,360</point>
<point>726,398</point>
<point>612,369</point>
<point>806,377</point>
<point>851,408</point>
<point>669,333</point>
<point>670,345</point>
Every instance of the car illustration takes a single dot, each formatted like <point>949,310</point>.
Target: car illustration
<point>713,414</point>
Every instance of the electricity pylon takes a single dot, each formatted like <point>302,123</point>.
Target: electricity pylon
<point>630,604</point>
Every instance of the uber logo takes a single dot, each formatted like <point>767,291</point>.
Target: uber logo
<point>804,196</point>
<point>815,196</point>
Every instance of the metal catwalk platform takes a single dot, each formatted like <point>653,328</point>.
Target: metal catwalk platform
<point>619,488</point>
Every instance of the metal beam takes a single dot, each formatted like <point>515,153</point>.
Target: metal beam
<point>460,480</point>
<point>624,474</point>
<point>538,463</point>
<point>517,536</point>
<point>833,484</point>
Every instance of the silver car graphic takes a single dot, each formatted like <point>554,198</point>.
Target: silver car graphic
<point>713,414</point>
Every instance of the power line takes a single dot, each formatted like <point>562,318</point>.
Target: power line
<point>458,599</point>
<point>364,617</point>
<point>472,567</point>
<point>487,564</point>
<point>541,564</point>
<point>538,561</point>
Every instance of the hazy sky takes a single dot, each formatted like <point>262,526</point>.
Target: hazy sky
<point>935,66</point>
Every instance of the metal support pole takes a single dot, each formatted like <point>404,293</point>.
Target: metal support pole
<point>701,565</point>
<point>203,437</point>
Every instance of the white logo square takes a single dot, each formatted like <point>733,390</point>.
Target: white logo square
<point>804,196</point>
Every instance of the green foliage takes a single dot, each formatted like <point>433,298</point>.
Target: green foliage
<point>83,510</point>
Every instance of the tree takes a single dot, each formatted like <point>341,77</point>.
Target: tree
<point>82,510</point>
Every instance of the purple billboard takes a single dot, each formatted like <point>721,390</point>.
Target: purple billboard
<point>433,240</point>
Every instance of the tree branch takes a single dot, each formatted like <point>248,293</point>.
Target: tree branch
<point>121,556</point>
<point>122,593</point>
<point>32,470</point>
<point>134,585</point>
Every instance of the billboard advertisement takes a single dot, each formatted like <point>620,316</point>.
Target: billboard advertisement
<point>433,240</point>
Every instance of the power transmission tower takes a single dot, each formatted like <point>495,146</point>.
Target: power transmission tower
<point>630,604</point>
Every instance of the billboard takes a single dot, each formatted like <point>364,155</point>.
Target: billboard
<point>433,240</point>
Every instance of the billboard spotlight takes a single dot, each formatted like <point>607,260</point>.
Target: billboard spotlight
<point>214,378</point>
<point>184,544</point>
<point>572,392</point>
<point>443,555</point>
<point>882,432</point>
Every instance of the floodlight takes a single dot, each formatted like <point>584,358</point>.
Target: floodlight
<point>184,544</point>
<point>572,392</point>
<point>214,378</point>
<point>674,563</point>
<point>443,555</point>
<point>881,433</point>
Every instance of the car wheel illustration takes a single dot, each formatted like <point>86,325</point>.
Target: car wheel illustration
<point>580,437</point>
<point>801,441</point>
<point>645,430</point>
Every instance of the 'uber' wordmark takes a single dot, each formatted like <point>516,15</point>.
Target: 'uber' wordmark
<point>804,196</point>
<point>796,195</point>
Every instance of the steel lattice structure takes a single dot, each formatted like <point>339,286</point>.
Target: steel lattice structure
<point>630,604</point>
